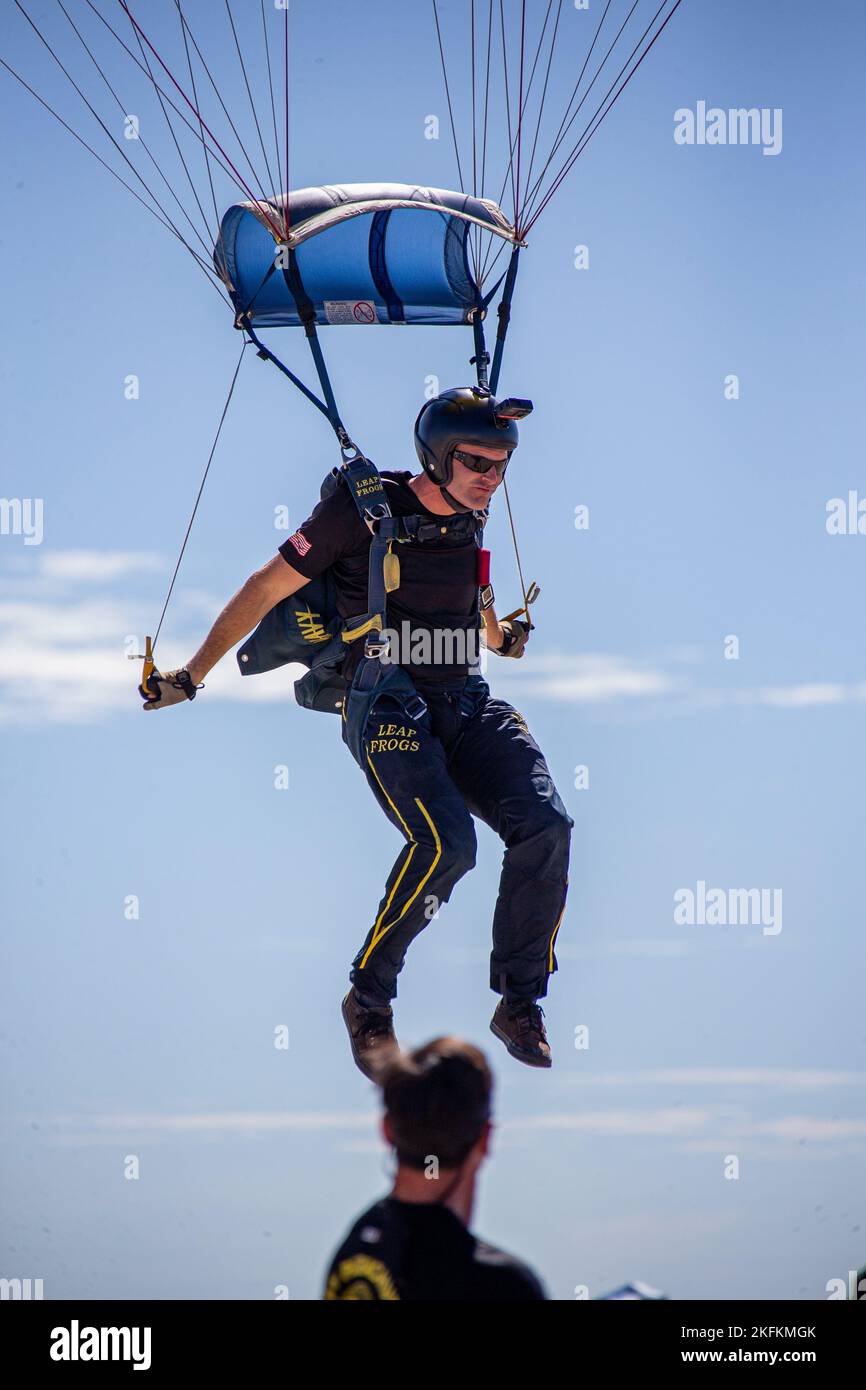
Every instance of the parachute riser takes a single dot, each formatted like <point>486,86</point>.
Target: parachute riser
<point>348,448</point>
<point>487,375</point>
<point>504,315</point>
<point>481,360</point>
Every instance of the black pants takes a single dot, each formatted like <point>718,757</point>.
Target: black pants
<point>431,776</point>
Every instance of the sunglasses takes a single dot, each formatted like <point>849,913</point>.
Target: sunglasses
<point>479,464</point>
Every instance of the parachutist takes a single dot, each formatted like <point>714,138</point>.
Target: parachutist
<point>392,551</point>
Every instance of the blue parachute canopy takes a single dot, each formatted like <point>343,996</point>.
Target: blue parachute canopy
<point>364,253</point>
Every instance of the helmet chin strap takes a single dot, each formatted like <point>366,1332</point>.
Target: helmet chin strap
<point>450,498</point>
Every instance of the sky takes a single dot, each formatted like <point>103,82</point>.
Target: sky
<point>696,680</point>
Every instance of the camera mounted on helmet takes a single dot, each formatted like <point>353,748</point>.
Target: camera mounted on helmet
<point>464,415</point>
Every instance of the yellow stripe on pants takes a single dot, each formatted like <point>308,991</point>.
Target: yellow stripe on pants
<point>379,930</point>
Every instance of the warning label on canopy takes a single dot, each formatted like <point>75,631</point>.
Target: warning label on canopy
<point>350,311</point>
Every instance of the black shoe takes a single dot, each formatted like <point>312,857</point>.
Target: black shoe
<point>371,1032</point>
<point>521,1027</point>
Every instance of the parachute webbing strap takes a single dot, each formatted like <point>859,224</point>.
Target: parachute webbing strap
<point>479,545</point>
<point>243,321</point>
<point>377,597</point>
<point>462,526</point>
<point>371,623</point>
<point>364,483</point>
<point>371,669</point>
<point>269,356</point>
<point>481,360</point>
<point>307,315</point>
<point>504,312</point>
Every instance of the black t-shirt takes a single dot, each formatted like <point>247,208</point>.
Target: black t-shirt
<point>438,581</point>
<point>417,1252</point>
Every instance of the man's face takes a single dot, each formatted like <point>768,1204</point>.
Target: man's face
<point>473,489</point>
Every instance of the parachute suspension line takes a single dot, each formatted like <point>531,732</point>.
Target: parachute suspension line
<point>286,133</point>
<point>162,215</point>
<point>448,95</point>
<point>481,360</point>
<point>603,109</point>
<point>541,103</point>
<point>569,117</point>
<point>480,278</point>
<point>195,107</point>
<point>520,113</point>
<point>208,270</point>
<point>152,645</point>
<point>271,93</point>
<point>187,35</point>
<point>527,189</point>
<point>525,593</point>
<point>124,109</point>
<point>227,167</point>
<point>205,151</point>
<point>504,313</point>
<point>275,229</point>
<point>531,191</point>
<point>476,233</point>
<point>514,136</point>
<point>474,102</point>
<point>272,183</point>
<point>509,172</point>
<point>488,264</point>
<point>175,142</point>
<point>176,109</point>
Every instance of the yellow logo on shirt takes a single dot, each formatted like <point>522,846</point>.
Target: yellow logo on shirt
<point>520,722</point>
<point>310,625</point>
<point>361,1277</point>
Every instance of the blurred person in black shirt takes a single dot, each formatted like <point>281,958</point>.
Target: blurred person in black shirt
<point>415,1245</point>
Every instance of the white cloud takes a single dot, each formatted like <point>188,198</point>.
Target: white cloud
<point>63,649</point>
<point>783,1078</point>
<point>801,696</point>
<point>676,1121</point>
<point>584,678</point>
<point>704,1128</point>
<point>99,566</point>
<point>810,1127</point>
<point>249,1122</point>
<point>648,946</point>
<point>599,678</point>
<point>62,657</point>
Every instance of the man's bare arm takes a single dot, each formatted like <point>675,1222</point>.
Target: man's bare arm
<point>275,581</point>
<point>493,634</point>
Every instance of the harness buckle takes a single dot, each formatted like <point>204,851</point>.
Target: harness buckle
<point>375,645</point>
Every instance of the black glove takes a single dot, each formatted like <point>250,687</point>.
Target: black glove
<point>167,688</point>
<point>516,637</point>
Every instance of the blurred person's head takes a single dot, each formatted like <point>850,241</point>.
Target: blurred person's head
<point>437,1117</point>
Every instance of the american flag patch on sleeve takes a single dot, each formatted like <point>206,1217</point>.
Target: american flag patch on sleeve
<point>300,542</point>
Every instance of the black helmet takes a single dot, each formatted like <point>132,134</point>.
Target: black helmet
<point>464,414</point>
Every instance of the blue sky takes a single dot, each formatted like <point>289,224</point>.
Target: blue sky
<point>154,1037</point>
